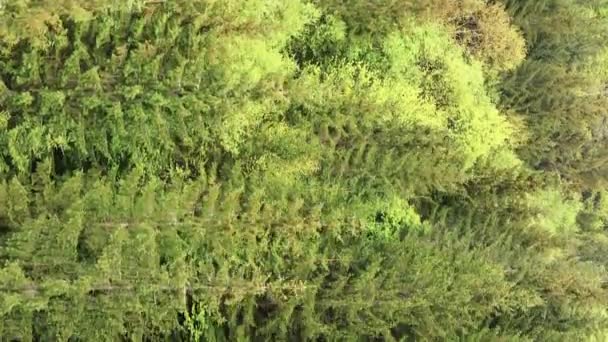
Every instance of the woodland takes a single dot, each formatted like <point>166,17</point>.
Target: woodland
<point>304,170</point>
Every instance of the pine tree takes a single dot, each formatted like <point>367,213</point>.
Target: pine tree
<point>549,88</point>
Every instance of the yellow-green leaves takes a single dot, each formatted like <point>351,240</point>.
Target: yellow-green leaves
<point>555,214</point>
<point>414,83</point>
<point>169,86</point>
<point>425,57</point>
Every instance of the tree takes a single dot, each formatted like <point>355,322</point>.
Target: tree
<point>83,96</point>
<point>555,94</point>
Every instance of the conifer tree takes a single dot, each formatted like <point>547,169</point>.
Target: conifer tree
<point>550,89</point>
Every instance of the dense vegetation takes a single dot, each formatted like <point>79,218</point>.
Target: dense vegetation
<point>324,170</point>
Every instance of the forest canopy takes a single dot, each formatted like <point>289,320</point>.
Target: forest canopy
<point>303,170</point>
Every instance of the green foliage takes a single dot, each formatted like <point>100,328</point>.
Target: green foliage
<point>201,170</point>
<point>484,28</point>
<point>594,214</point>
<point>555,214</point>
<point>562,102</point>
<point>137,100</point>
<point>394,218</point>
<point>415,85</point>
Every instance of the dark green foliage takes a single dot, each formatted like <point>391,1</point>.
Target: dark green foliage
<point>561,101</point>
<point>281,270</point>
